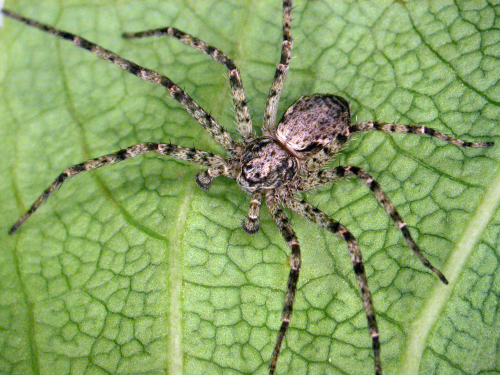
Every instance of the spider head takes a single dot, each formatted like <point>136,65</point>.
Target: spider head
<point>312,123</point>
<point>265,165</point>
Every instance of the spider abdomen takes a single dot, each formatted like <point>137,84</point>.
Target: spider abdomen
<point>312,123</point>
<point>265,165</point>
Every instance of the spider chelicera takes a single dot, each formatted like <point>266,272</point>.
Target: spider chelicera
<point>287,159</point>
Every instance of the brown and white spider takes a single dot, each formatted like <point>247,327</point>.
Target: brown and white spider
<point>286,160</point>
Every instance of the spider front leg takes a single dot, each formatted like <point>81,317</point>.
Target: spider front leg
<point>413,129</point>
<point>281,69</point>
<point>311,213</point>
<point>243,119</point>
<point>279,217</point>
<point>182,153</point>
<point>215,130</point>
<point>331,175</point>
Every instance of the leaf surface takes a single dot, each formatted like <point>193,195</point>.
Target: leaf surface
<point>132,269</point>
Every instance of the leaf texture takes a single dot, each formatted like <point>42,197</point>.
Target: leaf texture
<point>132,269</point>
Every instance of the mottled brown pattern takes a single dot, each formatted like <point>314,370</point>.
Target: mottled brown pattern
<point>266,165</point>
<point>312,123</point>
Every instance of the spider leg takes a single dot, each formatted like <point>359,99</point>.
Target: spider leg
<point>183,153</point>
<point>251,223</point>
<point>243,118</point>
<point>199,114</point>
<point>413,129</point>
<point>281,69</point>
<point>331,175</point>
<point>279,217</point>
<point>311,213</point>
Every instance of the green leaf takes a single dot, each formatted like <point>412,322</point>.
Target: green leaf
<point>132,269</point>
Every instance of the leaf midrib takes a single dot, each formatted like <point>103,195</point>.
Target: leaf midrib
<point>440,295</point>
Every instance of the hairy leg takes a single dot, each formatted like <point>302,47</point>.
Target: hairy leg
<point>199,114</point>
<point>331,175</point>
<point>183,153</point>
<point>281,69</point>
<point>279,217</point>
<point>413,129</point>
<point>243,118</point>
<point>304,209</point>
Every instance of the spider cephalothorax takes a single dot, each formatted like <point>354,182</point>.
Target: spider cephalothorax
<point>285,160</point>
<point>264,164</point>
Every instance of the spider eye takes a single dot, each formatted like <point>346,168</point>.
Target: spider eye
<point>266,165</point>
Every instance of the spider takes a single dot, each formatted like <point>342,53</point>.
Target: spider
<point>288,158</point>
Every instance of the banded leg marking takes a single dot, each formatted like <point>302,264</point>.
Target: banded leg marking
<point>199,114</point>
<point>243,118</point>
<point>413,129</point>
<point>182,153</point>
<point>311,213</point>
<point>279,217</point>
<point>271,109</point>
<point>331,175</point>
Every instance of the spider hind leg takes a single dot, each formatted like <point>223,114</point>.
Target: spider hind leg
<point>331,175</point>
<point>311,213</point>
<point>414,129</point>
<point>283,224</point>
